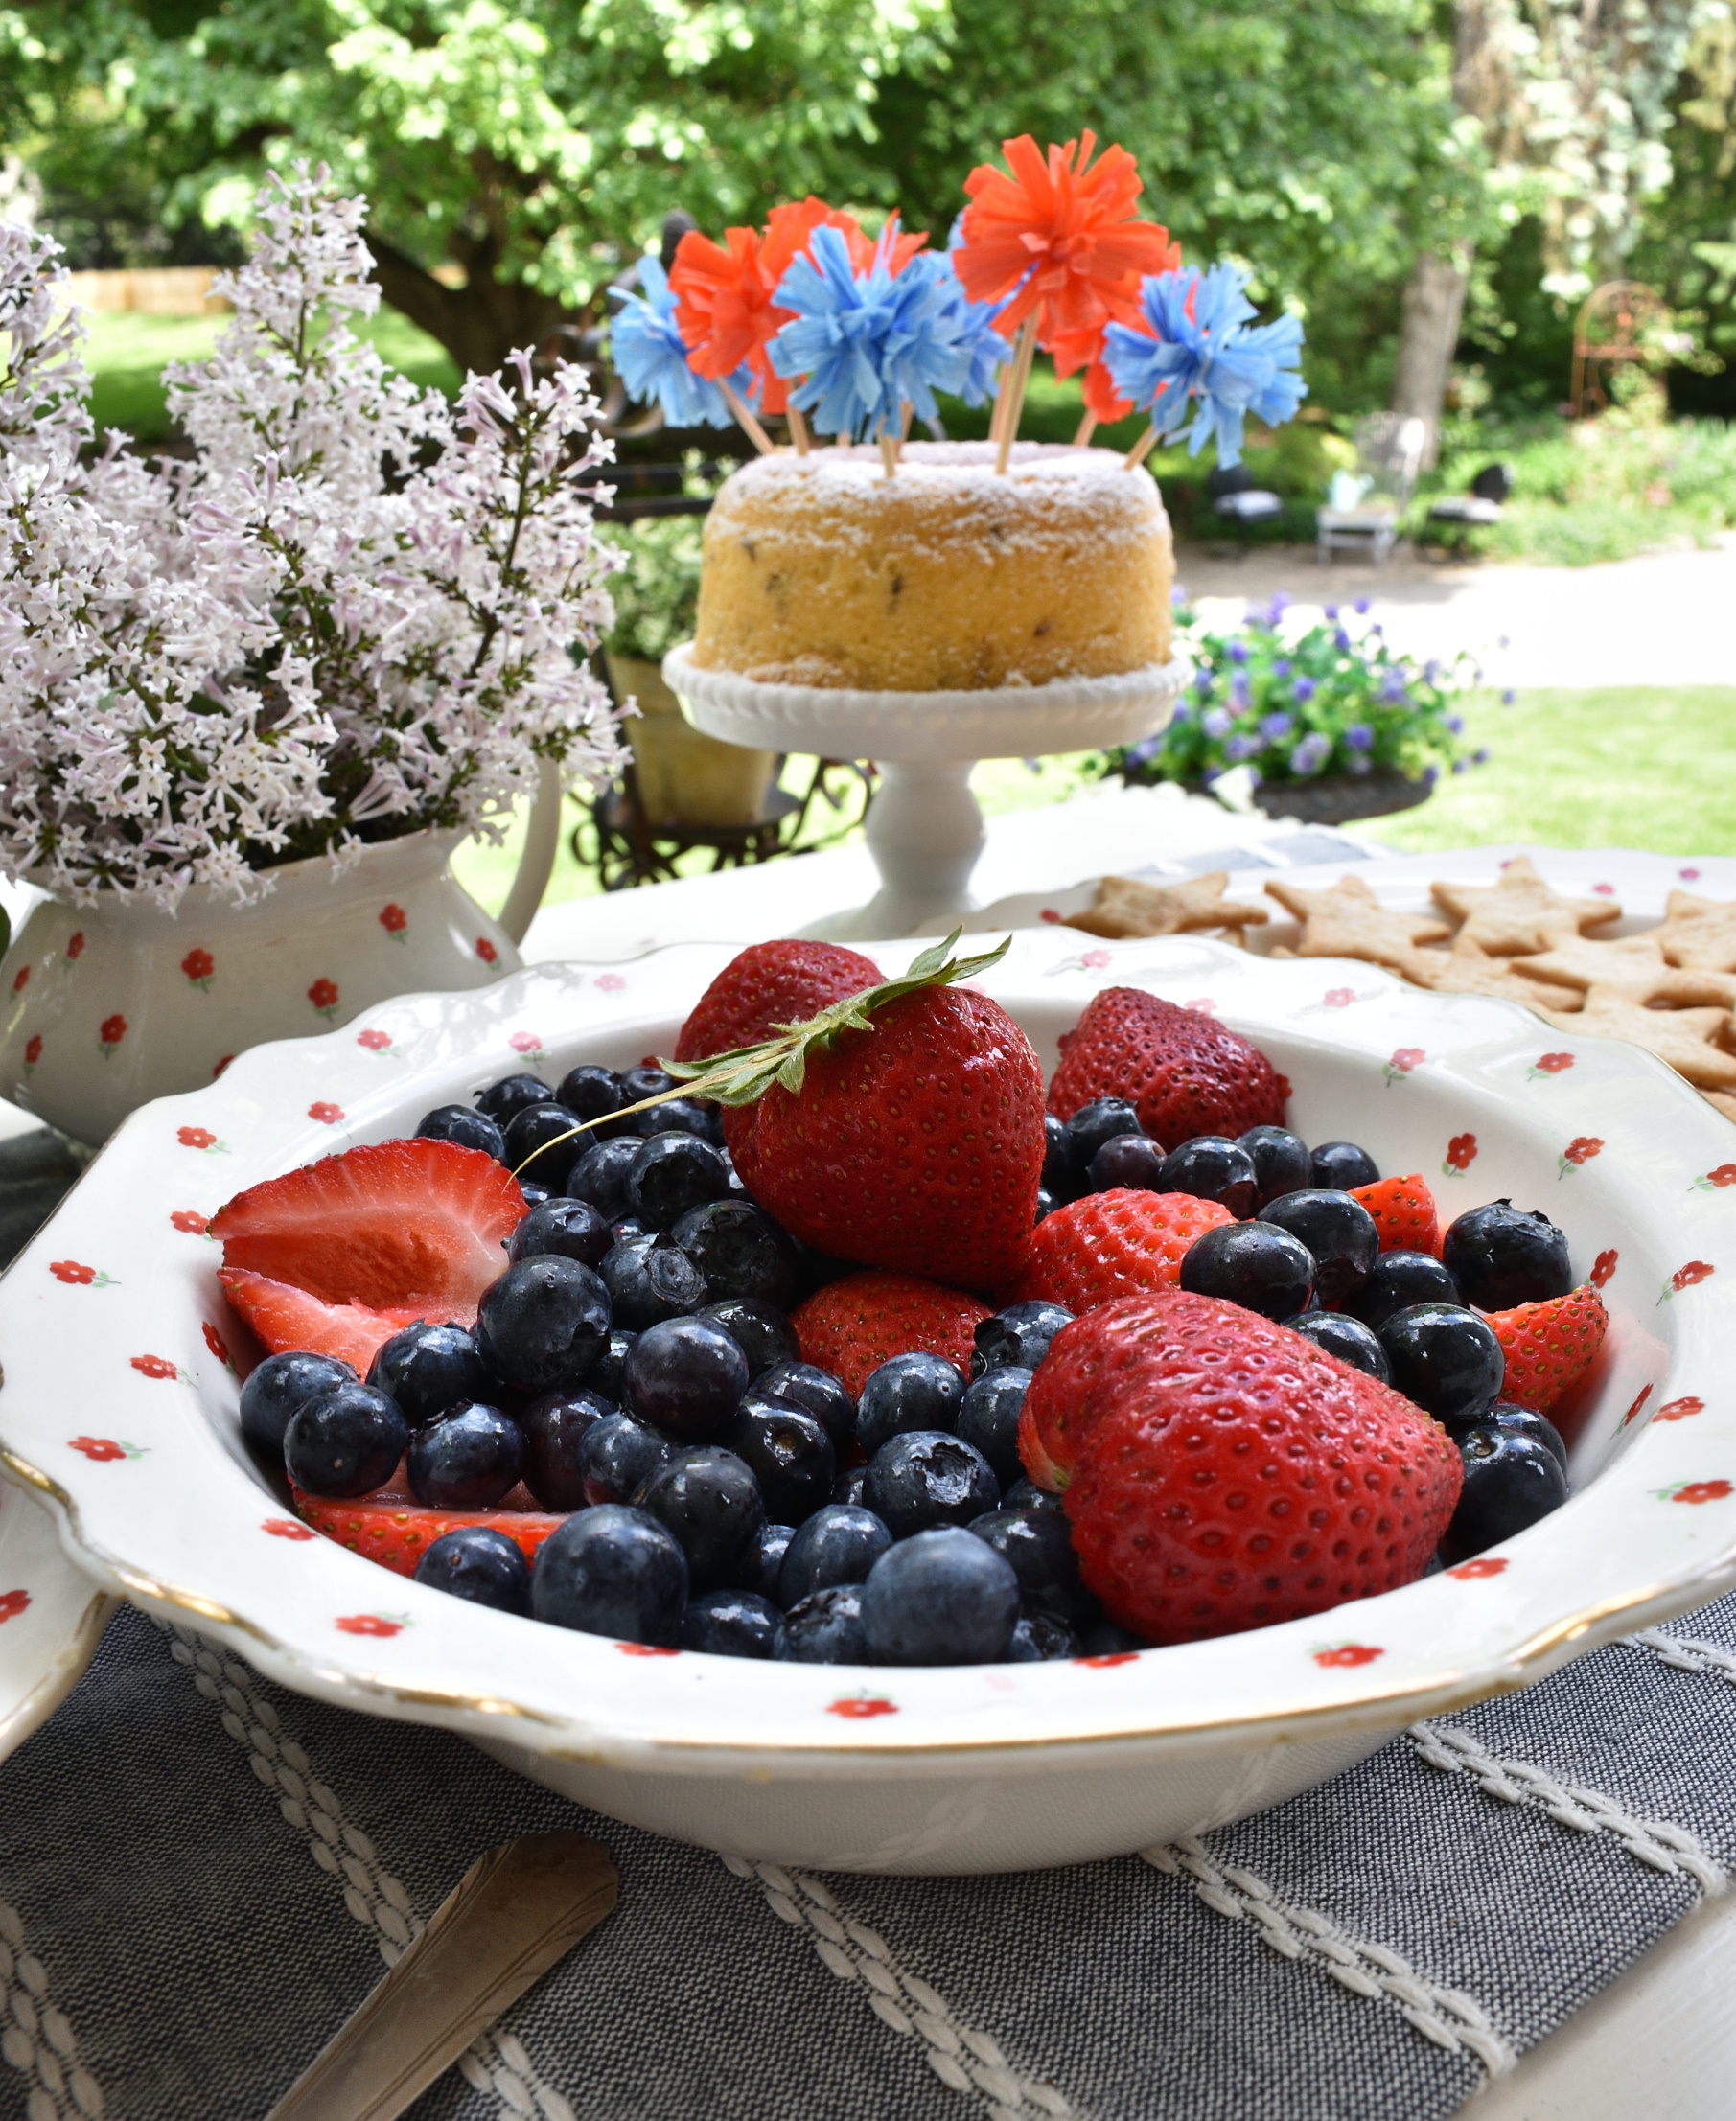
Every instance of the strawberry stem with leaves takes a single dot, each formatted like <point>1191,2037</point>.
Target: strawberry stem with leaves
<point>744,1075</point>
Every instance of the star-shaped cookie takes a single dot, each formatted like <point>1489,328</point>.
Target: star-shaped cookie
<point>1467,969</point>
<point>1686,1038</point>
<point>1633,967</point>
<point>1698,932</point>
<point>1520,912</point>
<point>1126,907</point>
<point>1347,921</point>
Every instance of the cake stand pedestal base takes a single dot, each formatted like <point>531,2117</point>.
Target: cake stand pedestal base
<point>925,832</point>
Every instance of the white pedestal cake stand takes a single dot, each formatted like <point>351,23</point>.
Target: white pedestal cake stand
<point>924,828</point>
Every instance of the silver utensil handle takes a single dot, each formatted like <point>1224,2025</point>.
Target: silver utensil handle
<point>510,1917</point>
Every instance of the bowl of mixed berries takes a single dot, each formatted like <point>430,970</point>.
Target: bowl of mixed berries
<point>910,1411</point>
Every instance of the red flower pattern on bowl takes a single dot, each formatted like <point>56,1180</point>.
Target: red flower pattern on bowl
<point>198,965</point>
<point>1461,1153</point>
<point>214,1340</point>
<point>1343,1654</point>
<point>1551,1064</point>
<point>1680,1410</point>
<point>1689,1277</point>
<point>645,1650</point>
<point>189,1222</point>
<point>526,1042</point>
<point>72,1273</point>
<point>101,1450</point>
<point>486,950</point>
<point>286,1528</point>
<point>376,1042</point>
<point>1337,997</point>
<point>195,1138</point>
<point>12,1603</point>
<point>610,983</point>
<point>330,1115</point>
<point>155,1365</point>
<point>1580,1150</point>
<point>111,1031</point>
<point>1603,1267</point>
<point>1102,1661</point>
<point>859,1705</point>
<point>1724,1174</point>
<point>1485,1564</point>
<point>1702,1491</point>
<point>368,1624</point>
<point>1403,1060</point>
<point>394,919</point>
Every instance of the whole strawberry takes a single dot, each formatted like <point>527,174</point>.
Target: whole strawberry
<point>1185,1073</point>
<point>917,1145</point>
<point>851,1326</point>
<point>1119,1242</point>
<point>1549,1346</point>
<point>1224,1473</point>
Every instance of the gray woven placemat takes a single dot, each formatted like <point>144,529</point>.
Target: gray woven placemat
<point>199,1871</point>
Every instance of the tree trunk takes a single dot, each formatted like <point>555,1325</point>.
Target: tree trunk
<point>478,324</point>
<point>1434,299</point>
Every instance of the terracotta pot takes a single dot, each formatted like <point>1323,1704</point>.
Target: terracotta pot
<point>685,778</point>
<point>105,1006</point>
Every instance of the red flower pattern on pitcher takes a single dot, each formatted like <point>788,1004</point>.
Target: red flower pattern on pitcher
<point>32,1051</point>
<point>394,920</point>
<point>199,966</point>
<point>75,945</point>
<point>323,994</point>
<point>110,1032</point>
<point>486,950</point>
<point>21,979</point>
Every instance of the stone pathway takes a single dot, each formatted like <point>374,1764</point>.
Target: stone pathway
<point>1665,619</point>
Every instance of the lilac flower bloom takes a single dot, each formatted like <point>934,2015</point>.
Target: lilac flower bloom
<point>1282,668</point>
<point>1200,355</point>
<point>1239,652</point>
<point>1240,746</point>
<point>1203,680</point>
<point>1361,607</point>
<point>1141,753</point>
<point>1508,697</point>
<point>1330,612</point>
<point>651,357</point>
<point>1341,641</point>
<point>1456,724</point>
<point>1480,757</point>
<point>1305,689</point>
<point>1461,765</point>
<point>1359,737</point>
<point>1210,775</point>
<point>1217,722</point>
<point>1431,774</point>
<point>1239,696</point>
<point>1431,672</point>
<point>1311,754</point>
<point>1393,691</point>
<point>1275,727</point>
<point>1178,596</point>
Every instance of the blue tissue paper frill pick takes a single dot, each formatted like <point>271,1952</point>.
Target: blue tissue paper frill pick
<point>866,346</point>
<point>1209,362</point>
<point>652,361</point>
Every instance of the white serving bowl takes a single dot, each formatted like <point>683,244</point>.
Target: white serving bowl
<point>928,1770</point>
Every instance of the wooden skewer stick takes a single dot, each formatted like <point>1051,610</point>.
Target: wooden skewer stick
<point>1141,449</point>
<point>1086,428</point>
<point>798,430</point>
<point>905,412</point>
<point>1015,391</point>
<point>750,425</point>
<point>888,455</point>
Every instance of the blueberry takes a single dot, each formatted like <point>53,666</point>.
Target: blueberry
<point>988,1419</point>
<point>1335,1167</point>
<point>1047,1204</point>
<point>927,1479</point>
<point>481,1564</point>
<point>740,1251</point>
<point>467,1460</point>
<point>1397,1280</point>
<point>693,1116</point>
<point>512,1095</point>
<point>711,1503</point>
<point>600,1175</point>
<point>1039,1639</point>
<point>1213,1167</point>
<point>763,1334</point>
<point>1339,1232</point>
<point>907,1393</point>
<point>942,1597</point>
<point>1109,1639</point>
<point>554,1427</point>
<point>761,1569</point>
<point>686,1376</point>
<point>814,1270</point>
<point>276,1388</point>
<point>1521,1421</point>
<point>1347,1338</point>
<point>606,1375</point>
<point>1130,1160</point>
<point>1282,1163</point>
<point>1026,1494</point>
<point>650,1279</point>
<point>1255,1264</point>
<point>848,1486</point>
<point>470,1130</point>
<point>626,1228</point>
<point>1017,1336</point>
<point>1064,1179</point>
<point>1445,1359</point>
<point>532,1194</point>
<point>1097,1123</point>
<point>565,1229</point>
<point>733,1623</point>
<point>428,1368</point>
<point>671,1174</point>
<point>839,1543</point>
<point>1502,1256</point>
<point>826,1628</point>
<point>1038,1546</point>
<point>816,1392</point>
<point>1510,1480</point>
<point>616,1456</point>
<point>596,1093</point>
<point>542,1324</point>
<point>647,1081</point>
<point>612,1571</point>
<point>541,1145</point>
<point>345,1441</point>
<point>791,1455</point>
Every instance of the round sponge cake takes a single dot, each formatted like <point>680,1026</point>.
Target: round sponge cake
<point>821,570</point>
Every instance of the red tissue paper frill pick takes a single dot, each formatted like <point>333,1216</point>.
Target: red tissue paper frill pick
<point>1059,236</point>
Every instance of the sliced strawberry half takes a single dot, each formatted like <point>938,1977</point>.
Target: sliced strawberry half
<point>414,1226</point>
<point>390,1528</point>
<point>288,1319</point>
<point>1404,1213</point>
<point>1549,1346</point>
